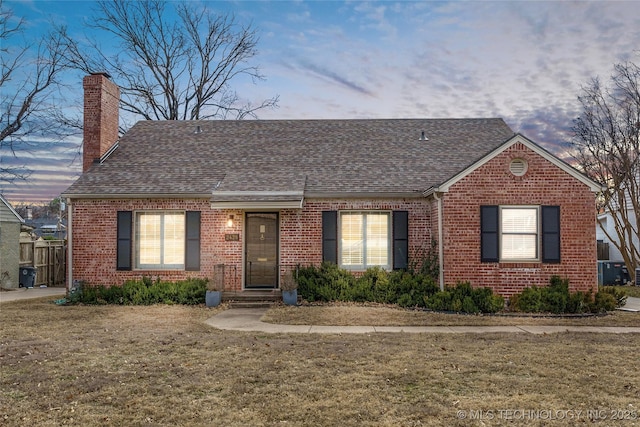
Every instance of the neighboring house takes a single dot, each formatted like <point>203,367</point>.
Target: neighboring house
<point>613,269</point>
<point>10,222</point>
<point>175,199</point>
<point>50,228</point>
<point>607,222</point>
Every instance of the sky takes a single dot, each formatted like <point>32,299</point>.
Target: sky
<point>523,61</point>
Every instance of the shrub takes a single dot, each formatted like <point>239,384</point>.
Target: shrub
<point>579,302</point>
<point>557,299</point>
<point>618,293</point>
<point>146,292</point>
<point>325,283</point>
<point>331,283</point>
<point>464,298</point>
<point>603,302</point>
<point>440,301</point>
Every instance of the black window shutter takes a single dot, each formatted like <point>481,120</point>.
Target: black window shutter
<point>330,236</point>
<point>551,234</point>
<point>489,234</point>
<point>192,241</point>
<point>124,240</point>
<point>400,239</point>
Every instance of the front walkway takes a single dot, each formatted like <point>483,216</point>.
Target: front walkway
<point>248,319</point>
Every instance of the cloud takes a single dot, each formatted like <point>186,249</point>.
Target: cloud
<point>523,61</point>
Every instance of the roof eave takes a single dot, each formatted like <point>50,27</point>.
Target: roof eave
<point>362,195</point>
<point>103,196</point>
<point>593,186</point>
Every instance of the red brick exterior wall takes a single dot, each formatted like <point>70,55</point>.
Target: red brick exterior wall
<point>543,184</point>
<point>101,103</point>
<point>94,228</point>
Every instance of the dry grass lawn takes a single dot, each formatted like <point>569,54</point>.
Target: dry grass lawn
<point>162,366</point>
<point>372,315</point>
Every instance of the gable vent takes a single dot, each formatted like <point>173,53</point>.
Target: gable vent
<point>518,167</point>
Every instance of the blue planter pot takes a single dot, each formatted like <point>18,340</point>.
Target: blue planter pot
<point>213,298</point>
<point>290,297</point>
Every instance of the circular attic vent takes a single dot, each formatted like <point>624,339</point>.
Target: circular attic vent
<point>518,167</point>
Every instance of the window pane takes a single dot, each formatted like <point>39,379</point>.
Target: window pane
<point>160,240</point>
<point>518,220</point>
<point>148,231</point>
<point>519,246</point>
<point>377,239</point>
<point>351,239</point>
<point>174,239</point>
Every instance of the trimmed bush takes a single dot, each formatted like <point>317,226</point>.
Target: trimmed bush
<point>557,299</point>
<point>619,294</point>
<point>146,292</point>
<point>331,283</point>
<point>604,302</point>
<point>463,298</point>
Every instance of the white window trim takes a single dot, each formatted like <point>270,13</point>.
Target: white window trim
<point>364,266</point>
<point>538,233</point>
<point>136,244</point>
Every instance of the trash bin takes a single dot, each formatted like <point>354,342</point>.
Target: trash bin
<point>27,277</point>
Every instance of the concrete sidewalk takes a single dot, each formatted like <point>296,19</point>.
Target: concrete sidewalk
<point>248,319</point>
<point>633,304</point>
<point>28,293</point>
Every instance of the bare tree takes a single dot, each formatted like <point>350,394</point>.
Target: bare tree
<point>29,77</point>
<point>606,139</point>
<point>173,66</point>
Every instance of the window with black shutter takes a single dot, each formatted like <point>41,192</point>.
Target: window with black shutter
<point>192,241</point>
<point>400,240</point>
<point>330,236</point>
<point>551,234</point>
<point>124,240</point>
<point>489,234</point>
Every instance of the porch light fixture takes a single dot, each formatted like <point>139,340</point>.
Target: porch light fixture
<point>230,221</point>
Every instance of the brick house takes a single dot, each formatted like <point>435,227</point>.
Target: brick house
<point>177,198</point>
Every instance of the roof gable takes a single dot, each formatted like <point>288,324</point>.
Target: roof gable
<point>7,212</point>
<point>518,138</point>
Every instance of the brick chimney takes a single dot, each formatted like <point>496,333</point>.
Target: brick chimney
<point>101,102</point>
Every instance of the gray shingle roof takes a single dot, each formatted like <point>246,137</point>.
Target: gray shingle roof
<point>314,156</point>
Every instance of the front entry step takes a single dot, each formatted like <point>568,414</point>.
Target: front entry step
<point>252,298</point>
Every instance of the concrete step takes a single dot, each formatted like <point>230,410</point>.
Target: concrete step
<point>252,298</point>
<point>253,304</point>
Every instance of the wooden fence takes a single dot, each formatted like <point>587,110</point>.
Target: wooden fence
<point>48,257</point>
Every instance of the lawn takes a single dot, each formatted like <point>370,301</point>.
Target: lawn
<point>162,366</point>
<point>631,291</point>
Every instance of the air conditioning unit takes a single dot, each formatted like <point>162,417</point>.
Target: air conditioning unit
<point>638,276</point>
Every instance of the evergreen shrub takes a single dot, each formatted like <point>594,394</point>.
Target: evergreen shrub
<point>145,292</point>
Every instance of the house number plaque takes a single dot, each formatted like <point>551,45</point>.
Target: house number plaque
<point>232,237</point>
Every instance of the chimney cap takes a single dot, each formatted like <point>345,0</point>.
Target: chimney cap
<point>101,73</point>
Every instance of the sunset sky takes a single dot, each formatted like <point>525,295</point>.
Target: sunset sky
<point>522,61</point>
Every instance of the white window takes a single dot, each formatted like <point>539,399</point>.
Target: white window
<point>365,240</point>
<point>519,233</point>
<point>160,240</point>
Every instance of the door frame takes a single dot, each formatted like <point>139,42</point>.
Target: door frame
<point>244,251</point>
